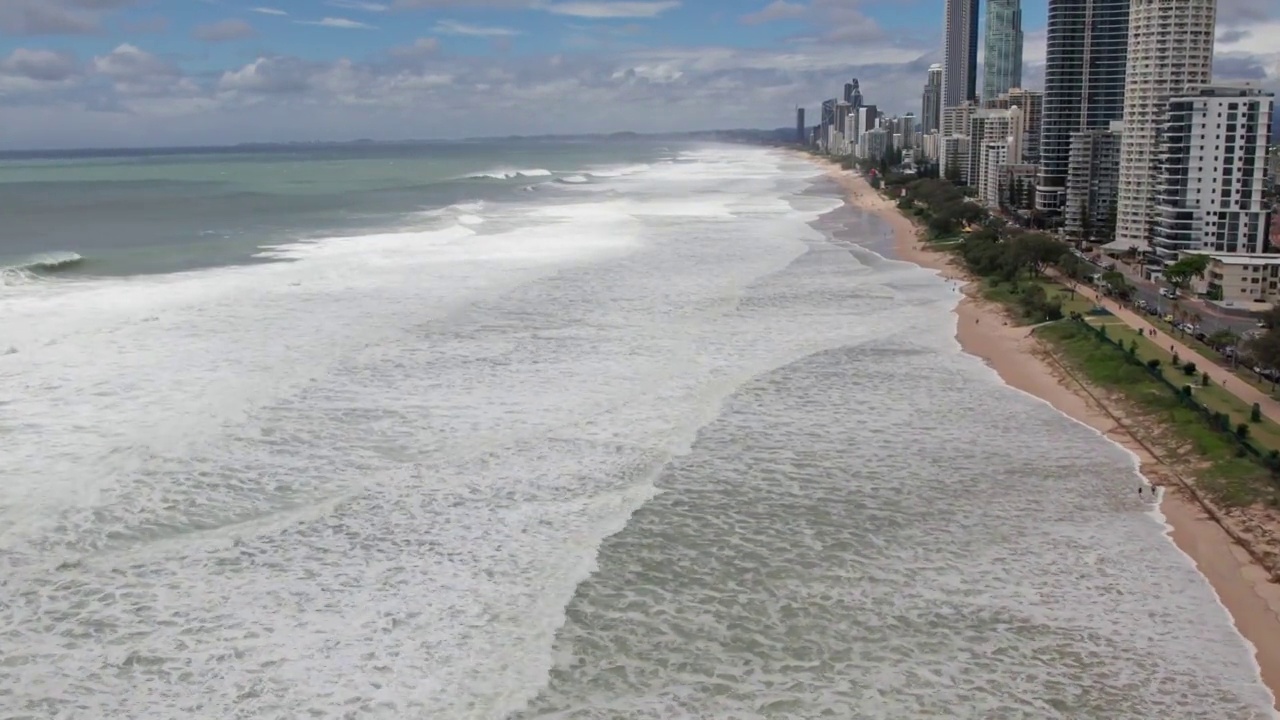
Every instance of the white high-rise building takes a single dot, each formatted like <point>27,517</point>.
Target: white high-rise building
<point>1170,49</point>
<point>931,101</point>
<point>996,141</point>
<point>994,158</point>
<point>1209,195</point>
<point>955,125</point>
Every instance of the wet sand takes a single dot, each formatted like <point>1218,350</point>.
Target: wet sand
<point>1243,586</point>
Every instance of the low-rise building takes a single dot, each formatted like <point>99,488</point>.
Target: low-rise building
<point>1240,279</point>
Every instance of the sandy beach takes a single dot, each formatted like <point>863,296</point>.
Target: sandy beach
<point>1242,586</point>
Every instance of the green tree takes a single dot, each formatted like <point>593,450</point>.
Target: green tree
<point>1180,274</point>
<point>1073,270</point>
<point>1119,284</point>
<point>1221,339</point>
<point>1037,251</point>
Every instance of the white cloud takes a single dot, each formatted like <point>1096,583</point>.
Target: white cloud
<point>358,5</point>
<point>333,22</point>
<point>128,62</point>
<point>39,65</point>
<point>622,9</point>
<point>136,72</point>
<point>268,11</point>
<point>453,27</point>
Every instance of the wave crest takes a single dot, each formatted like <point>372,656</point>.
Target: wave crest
<point>37,266</point>
<point>507,174</point>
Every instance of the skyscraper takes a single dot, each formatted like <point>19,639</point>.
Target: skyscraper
<point>1170,49</point>
<point>1002,58</point>
<point>852,94</point>
<point>931,104</point>
<point>1085,56</point>
<point>800,131</point>
<point>960,52</point>
<point>827,123</point>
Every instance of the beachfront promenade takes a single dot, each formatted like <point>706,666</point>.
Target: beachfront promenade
<point>1221,376</point>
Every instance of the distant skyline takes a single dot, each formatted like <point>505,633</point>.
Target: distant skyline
<point>102,73</point>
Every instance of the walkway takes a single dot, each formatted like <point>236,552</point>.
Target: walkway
<point>1221,376</point>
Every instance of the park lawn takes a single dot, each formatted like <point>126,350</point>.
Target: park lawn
<point>1008,294</point>
<point>1245,374</point>
<point>1231,479</point>
<point>1266,434</point>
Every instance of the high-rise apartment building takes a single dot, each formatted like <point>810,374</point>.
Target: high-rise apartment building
<point>1208,195</point>
<point>959,52</point>
<point>1002,54</point>
<point>996,141</point>
<point>1170,49</point>
<point>1031,102</point>
<point>1084,76</point>
<point>1092,181</point>
<point>801,135</point>
<point>865,119</point>
<point>954,152</point>
<point>931,103</point>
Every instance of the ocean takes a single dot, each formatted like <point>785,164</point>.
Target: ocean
<point>544,430</point>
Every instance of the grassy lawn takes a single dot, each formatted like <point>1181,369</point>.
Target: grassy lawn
<point>1228,477</point>
<point>1265,433</point>
<point>1008,294</point>
<point>1245,374</point>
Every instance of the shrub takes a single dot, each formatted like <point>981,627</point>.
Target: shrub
<point>1222,421</point>
<point>1242,431</point>
<point>1255,413</point>
<point>1185,392</point>
<point>1189,369</point>
<point>1176,359</point>
<point>1204,379</point>
<point>1154,363</point>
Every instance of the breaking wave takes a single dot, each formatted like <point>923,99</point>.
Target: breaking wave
<point>507,174</point>
<point>37,266</point>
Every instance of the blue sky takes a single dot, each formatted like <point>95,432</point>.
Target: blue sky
<point>140,72</point>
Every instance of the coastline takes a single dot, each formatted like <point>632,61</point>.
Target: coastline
<point>1242,587</point>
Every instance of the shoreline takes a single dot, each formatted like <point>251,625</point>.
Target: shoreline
<point>1242,587</point>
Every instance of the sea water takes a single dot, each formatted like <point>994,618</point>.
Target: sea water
<point>660,437</point>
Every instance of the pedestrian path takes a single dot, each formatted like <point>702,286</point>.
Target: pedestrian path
<point>1221,376</point>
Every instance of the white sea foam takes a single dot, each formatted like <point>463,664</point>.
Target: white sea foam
<point>509,174</point>
<point>615,171</point>
<point>369,479</point>
<point>573,179</point>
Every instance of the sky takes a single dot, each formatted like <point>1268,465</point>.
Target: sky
<point>104,73</point>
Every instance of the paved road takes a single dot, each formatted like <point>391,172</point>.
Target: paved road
<point>1211,321</point>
